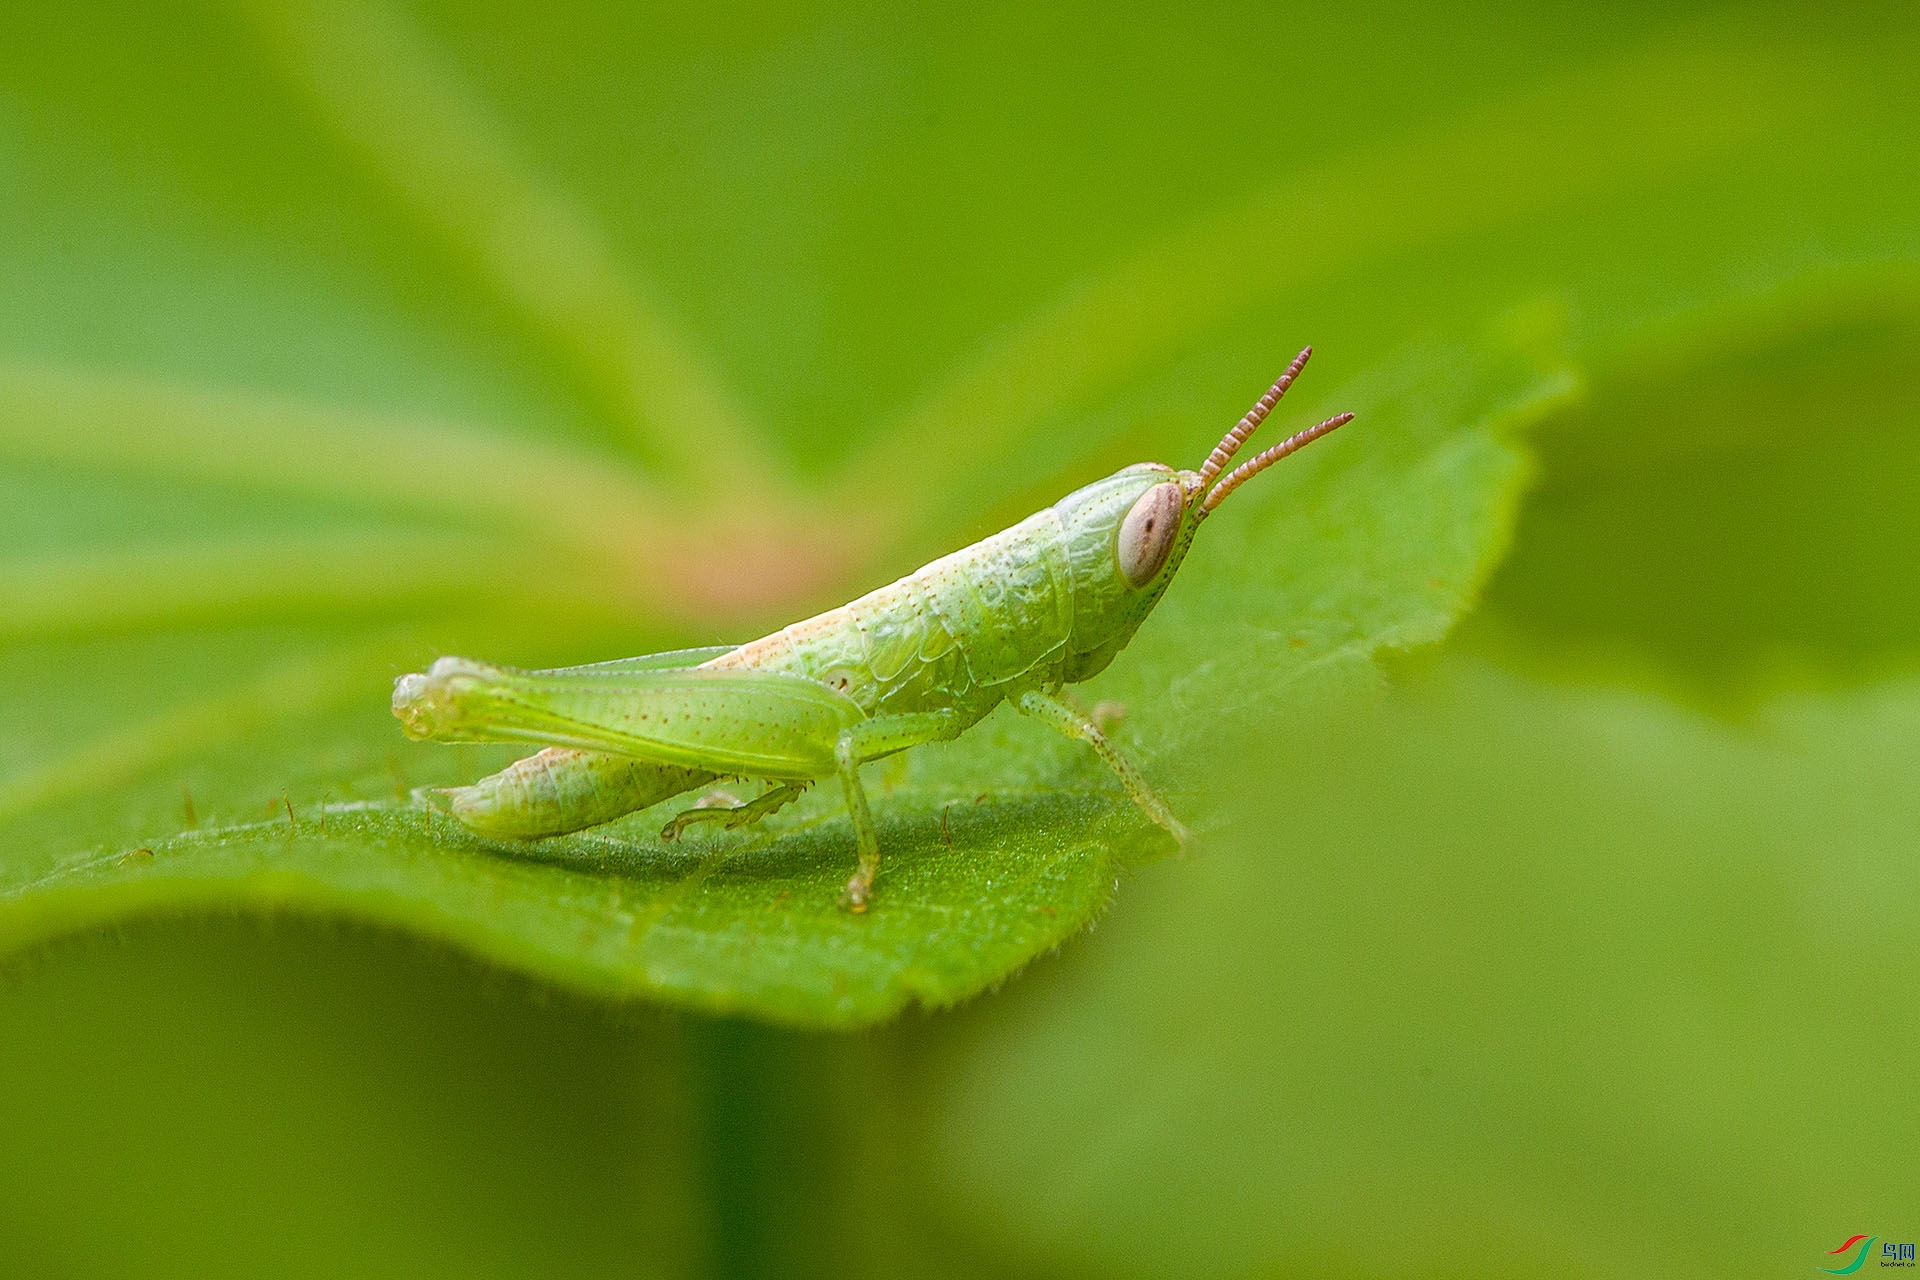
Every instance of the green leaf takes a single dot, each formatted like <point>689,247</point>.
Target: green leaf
<point>999,847</point>
<point>413,367</point>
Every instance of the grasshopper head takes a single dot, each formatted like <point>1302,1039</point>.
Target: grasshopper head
<point>1128,533</point>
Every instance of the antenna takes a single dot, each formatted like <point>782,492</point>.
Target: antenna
<point>1230,443</point>
<point>1260,462</point>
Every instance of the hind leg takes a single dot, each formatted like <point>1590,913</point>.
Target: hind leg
<point>560,790</point>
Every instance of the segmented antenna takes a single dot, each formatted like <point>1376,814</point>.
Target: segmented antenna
<point>1261,461</point>
<point>1230,443</point>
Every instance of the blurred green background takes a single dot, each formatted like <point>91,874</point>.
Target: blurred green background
<point>1584,943</point>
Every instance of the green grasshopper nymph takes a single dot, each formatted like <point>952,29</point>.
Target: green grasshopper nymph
<point>1046,603</point>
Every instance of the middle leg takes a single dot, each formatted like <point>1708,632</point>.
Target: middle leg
<point>776,797</point>
<point>869,740</point>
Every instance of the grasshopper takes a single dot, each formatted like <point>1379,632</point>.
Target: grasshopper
<point>1012,618</point>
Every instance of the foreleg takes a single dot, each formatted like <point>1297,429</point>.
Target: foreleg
<point>1052,711</point>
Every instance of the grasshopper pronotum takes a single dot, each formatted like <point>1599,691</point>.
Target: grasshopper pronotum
<point>1014,617</point>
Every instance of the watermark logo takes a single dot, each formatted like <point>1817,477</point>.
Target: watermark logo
<point>1891,1253</point>
<point>1859,1260</point>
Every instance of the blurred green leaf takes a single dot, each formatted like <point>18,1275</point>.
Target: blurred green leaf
<point>325,1114</point>
<point>1733,513</point>
<point>1511,978</point>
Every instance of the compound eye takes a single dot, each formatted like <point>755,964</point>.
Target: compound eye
<point>1146,535</point>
